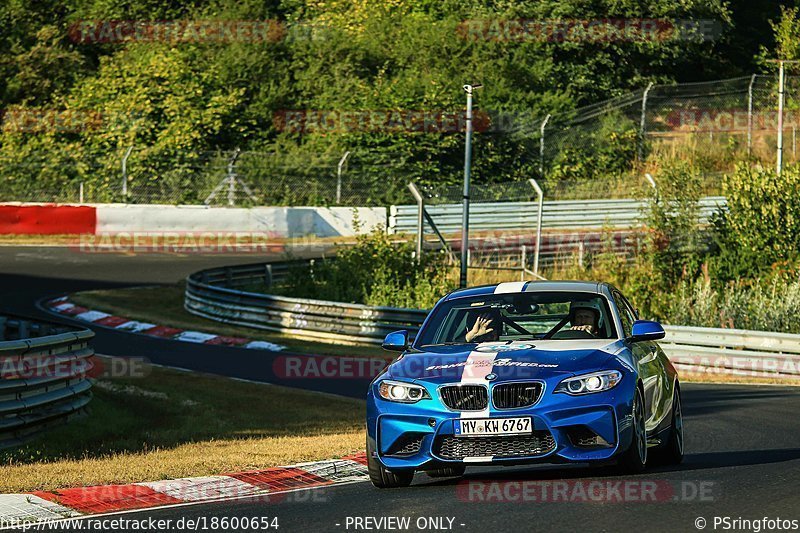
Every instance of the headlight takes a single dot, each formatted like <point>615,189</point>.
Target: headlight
<point>397,391</point>
<point>589,383</point>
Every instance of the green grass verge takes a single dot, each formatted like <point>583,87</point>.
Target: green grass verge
<point>175,424</point>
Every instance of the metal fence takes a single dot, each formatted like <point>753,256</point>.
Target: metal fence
<point>571,214</point>
<point>217,294</point>
<point>585,152</point>
<point>43,377</point>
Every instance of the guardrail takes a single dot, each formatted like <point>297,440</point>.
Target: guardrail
<point>211,294</point>
<point>733,351</point>
<point>43,376</point>
<point>569,214</point>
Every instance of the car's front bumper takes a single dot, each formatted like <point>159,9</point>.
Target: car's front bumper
<point>588,428</point>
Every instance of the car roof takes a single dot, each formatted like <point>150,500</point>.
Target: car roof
<point>533,286</point>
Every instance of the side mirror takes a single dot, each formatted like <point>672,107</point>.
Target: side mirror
<point>396,341</point>
<point>646,330</point>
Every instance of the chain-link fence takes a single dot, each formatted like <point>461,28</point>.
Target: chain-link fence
<point>710,125</point>
<point>602,150</point>
<point>242,179</point>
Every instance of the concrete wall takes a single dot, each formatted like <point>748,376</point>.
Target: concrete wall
<point>278,222</point>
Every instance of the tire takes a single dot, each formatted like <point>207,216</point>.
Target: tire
<point>634,459</point>
<point>671,453</point>
<point>382,477</point>
<point>447,471</point>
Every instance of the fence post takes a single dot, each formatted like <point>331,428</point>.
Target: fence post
<point>420,217</point>
<point>750,115</point>
<point>781,82</point>
<point>643,122</point>
<point>232,177</point>
<point>523,261</point>
<point>541,144</point>
<point>125,173</point>
<point>80,193</point>
<point>339,178</point>
<point>538,248</point>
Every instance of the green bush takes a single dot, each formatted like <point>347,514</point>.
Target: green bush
<point>587,153</point>
<point>375,271</point>
<point>678,242</point>
<point>761,225</point>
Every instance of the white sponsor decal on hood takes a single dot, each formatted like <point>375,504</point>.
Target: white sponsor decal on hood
<point>505,347</point>
<point>471,364</point>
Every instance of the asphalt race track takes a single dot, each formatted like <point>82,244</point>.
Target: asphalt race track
<point>743,461</point>
<point>28,274</point>
<point>742,442</point>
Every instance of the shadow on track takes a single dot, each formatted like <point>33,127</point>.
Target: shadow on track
<point>692,462</point>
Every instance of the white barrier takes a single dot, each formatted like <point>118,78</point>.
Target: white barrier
<point>278,222</point>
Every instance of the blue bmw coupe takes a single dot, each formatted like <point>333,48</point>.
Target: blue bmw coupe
<point>519,373</point>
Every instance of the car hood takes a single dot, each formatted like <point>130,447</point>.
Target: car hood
<point>508,361</point>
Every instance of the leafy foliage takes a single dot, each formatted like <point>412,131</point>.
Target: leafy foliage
<point>173,100</point>
<point>374,272</point>
<point>761,226</point>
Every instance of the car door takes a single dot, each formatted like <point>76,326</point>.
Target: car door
<point>646,355</point>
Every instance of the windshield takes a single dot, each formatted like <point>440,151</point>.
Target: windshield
<point>519,316</point>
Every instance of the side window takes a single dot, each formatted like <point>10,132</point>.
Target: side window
<point>631,308</point>
<point>626,316</point>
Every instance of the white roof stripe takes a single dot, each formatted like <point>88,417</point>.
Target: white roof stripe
<point>510,286</point>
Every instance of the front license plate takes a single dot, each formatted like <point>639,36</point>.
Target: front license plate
<point>476,427</point>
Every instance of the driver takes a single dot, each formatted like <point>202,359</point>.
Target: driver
<point>484,326</point>
<point>585,316</point>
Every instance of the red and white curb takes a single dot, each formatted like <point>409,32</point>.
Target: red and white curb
<point>64,307</point>
<point>265,484</point>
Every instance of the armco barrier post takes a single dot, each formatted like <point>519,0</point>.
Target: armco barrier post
<point>268,275</point>
<point>24,329</point>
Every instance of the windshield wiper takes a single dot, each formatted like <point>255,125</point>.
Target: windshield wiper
<point>448,343</point>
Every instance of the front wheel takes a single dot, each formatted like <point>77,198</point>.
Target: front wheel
<point>382,477</point>
<point>634,459</point>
